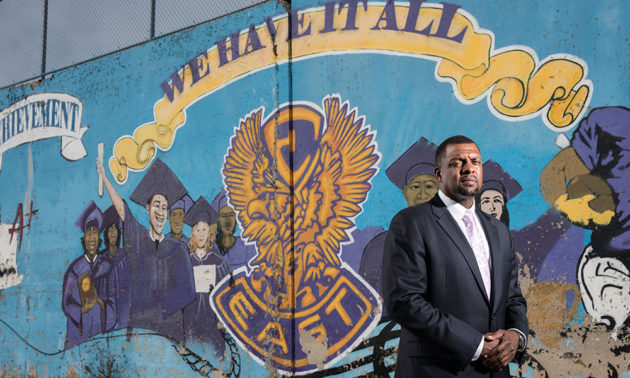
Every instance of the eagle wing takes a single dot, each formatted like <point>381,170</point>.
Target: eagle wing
<point>348,162</point>
<point>248,178</point>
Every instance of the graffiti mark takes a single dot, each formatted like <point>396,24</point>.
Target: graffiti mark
<point>18,223</point>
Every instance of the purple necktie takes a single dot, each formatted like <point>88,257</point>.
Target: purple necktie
<point>481,255</point>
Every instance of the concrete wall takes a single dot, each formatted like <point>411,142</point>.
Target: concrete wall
<point>292,283</point>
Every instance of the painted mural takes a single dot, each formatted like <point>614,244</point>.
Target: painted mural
<point>215,202</point>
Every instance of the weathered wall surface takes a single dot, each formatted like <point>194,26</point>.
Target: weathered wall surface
<point>281,145</point>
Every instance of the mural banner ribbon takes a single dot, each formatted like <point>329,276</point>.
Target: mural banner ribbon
<point>44,116</point>
<point>516,84</point>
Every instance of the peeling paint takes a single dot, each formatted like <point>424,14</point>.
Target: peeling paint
<point>316,349</point>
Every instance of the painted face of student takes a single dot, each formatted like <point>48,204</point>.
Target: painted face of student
<point>112,234</point>
<point>492,202</point>
<point>227,220</point>
<point>176,219</point>
<point>157,209</point>
<point>420,189</point>
<point>90,239</point>
<point>201,233</point>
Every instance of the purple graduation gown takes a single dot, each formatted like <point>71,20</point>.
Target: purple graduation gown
<point>352,253</point>
<point>161,280</point>
<point>121,273</point>
<point>238,255</point>
<point>550,233</point>
<point>183,239</point>
<point>200,322</point>
<point>82,326</point>
<point>602,141</point>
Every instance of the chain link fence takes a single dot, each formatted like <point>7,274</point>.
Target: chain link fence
<point>42,36</point>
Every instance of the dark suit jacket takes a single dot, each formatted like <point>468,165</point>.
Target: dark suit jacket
<point>433,288</point>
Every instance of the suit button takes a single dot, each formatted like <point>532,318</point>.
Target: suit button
<point>493,317</point>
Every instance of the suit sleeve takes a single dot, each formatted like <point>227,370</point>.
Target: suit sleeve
<point>404,289</point>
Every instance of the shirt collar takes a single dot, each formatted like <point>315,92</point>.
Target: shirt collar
<point>456,209</point>
<point>159,240</point>
<point>88,259</point>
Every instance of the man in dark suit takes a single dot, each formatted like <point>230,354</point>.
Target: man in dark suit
<point>450,278</point>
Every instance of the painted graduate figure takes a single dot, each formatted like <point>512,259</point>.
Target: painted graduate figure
<point>231,247</point>
<point>540,243</point>
<point>588,182</point>
<point>112,234</point>
<point>412,173</point>
<point>161,277</point>
<point>89,288</point>
<point>200,322</point>
<point>176,215</point>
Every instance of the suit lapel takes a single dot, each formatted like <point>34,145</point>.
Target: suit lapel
<point>495,257</point>
<point>450,227</point>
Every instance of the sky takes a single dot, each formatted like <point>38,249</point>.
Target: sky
<point>79,30</point>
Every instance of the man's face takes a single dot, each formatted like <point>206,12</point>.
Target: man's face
<point>491,202</point>
<point>176,218</point>
<point>420,189</point>
<point>112,234</point>
<point>227,220</point>
<point>460,171</point>
<point>90,239</point>
<point>157,209</point>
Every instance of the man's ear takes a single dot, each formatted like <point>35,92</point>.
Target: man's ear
<point>438,174</point>
<point>147,206</point>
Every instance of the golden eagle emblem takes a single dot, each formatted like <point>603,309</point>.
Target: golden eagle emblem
<point>297,181</point>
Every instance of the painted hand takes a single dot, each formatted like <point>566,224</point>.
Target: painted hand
<point>583,185</point>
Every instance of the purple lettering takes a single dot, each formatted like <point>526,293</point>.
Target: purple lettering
<point>222,48</point>
<point>175,82</point>
<point>445,23</point>
<point>412,19</point>
<point>196,64</point>
<point>297,22</point>
<point>329,13</point>
<point>389,16</point>
<point>271,28</point>
<point>351,18</point>
<point>253,42</point>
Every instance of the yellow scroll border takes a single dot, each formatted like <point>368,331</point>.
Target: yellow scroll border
<point>516,85</point>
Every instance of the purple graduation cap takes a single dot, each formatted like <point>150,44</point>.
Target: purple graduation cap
<point>110,216</point>
<point>418,159</point>
<point>185,203</point>
<point>201,212</point>
<point>90,217</point>
<point>220,200</point>
<point>160,179</point>
<point>496,178</point>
